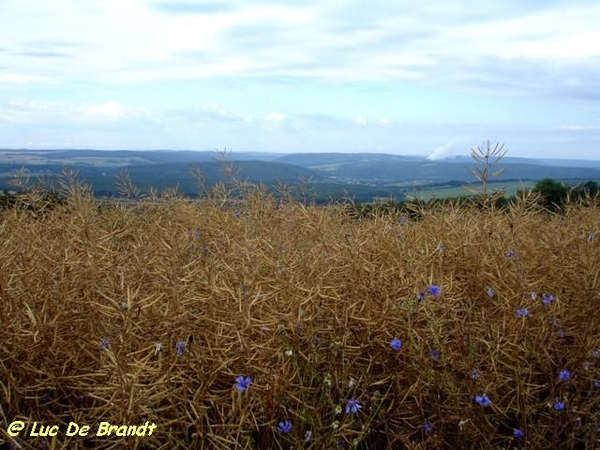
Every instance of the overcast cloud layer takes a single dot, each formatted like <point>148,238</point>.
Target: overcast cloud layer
<point>429,77</point>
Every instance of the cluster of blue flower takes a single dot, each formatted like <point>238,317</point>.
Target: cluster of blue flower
<point>352,406</point>
<point>433,290</point>
<point>242,383</point>
<point>284,427</point>
<point>547,299</point>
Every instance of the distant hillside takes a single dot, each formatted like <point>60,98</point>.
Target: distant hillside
<point>378,169</point>
<point>253,171</point>
<point>158,175</point>
<point>124,157</point>
<point>316,160</point>
<point>424,171</point>
<point>362,176</point>
<point>535,161</point>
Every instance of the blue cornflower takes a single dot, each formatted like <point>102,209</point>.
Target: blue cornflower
<point>510,253</point>
<point>564,375</point>
<point>475,374</point>
<point>596,353</point>
<point>242,383</point>
<point>180,347</point>
<point>402,219</point>
<point>522,312</point>
<point>284,427</point>
<point>435,354</point>
<point>598,427</point>
<point>104,343</point>
<point>482,400</point>
<point>434,290</point>
<point>518,433</point>
<point>558,405</point>
<point>46,398</point>
<point>352,406</point>
<point>547,299</point>
<point>596,384</point>
<point>427,427</point>
<point>308,435</point>
<point>421,296</point>
<point>237,214</point>
<point>489,291</point>
<point>396,344</point>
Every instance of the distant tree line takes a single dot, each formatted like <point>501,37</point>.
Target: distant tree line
<point>554,195</point>
<point>551,195</point>
<point>34,201</point>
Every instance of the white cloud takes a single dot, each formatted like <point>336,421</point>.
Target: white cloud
<point>148,41</point>
<point>275,117</point>
<point>108,110</point>
<point>218,111</point>
<point>23,111</point>
<point>140,64</point>
<point>35,113</point>
<point>385,122</point>
<point>562,34</point>
<point>360,120</point>
<point>579,127</point>
<point>16,78</point>
<point>113,39</point>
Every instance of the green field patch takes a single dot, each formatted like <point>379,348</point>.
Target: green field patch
<point>510,188</point>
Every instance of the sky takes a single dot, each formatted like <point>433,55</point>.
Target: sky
<point>420,77</point>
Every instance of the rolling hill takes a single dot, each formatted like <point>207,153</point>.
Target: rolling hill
<point>362,176</point>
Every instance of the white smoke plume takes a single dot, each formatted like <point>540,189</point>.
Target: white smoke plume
<point>449,150</point>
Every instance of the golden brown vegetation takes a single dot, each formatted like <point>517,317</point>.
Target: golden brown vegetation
<point>150,312</point>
